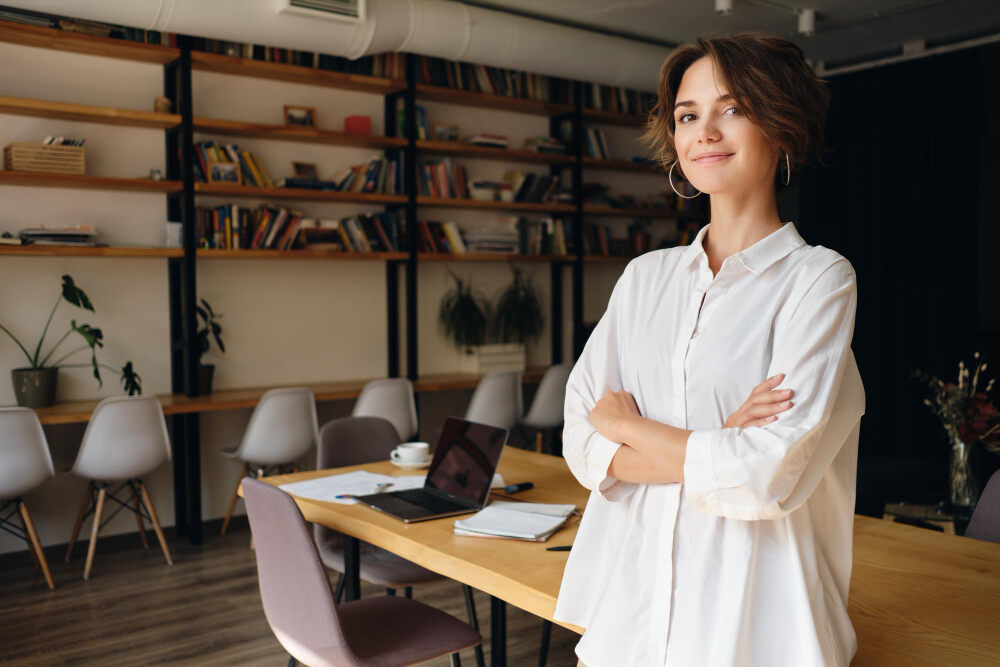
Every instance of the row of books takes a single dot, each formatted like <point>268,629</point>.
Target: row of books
<point>616,99</point>
<point>494,80</point>
<point>421,121</point>
<point>596,144</point>
<point>513,235</point>
<point>531,187</point>
<point>235,227</point>
<point>379,174</point>
<point>250,170</point>
<point>443,178</point>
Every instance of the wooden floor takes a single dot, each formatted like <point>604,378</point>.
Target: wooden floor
<point>203,610</point>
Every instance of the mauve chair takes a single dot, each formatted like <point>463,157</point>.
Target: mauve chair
<point>985,522</point>
<point>299,605</point>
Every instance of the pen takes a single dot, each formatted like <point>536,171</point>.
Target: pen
<point>514,488</point>
<point>563,548</point>
<point>379,488</point>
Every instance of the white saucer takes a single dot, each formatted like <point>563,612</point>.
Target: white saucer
<point>416,465</point>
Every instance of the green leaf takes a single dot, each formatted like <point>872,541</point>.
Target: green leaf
<point>131,381</point>
<point>95,339</point>
<point>75,295</point>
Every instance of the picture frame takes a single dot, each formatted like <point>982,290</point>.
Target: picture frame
<point>444,132</point>
<point>306,171</point>
<point>224,172</point>
<point>297,116</point>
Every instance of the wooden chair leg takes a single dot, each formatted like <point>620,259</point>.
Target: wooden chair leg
<point>138,515</point>
<point>156,522</point>
<point>93,533</point>
<point>84,506</point>
<point>36,546</point>
<point>232,503</point>
<point>538,442</point>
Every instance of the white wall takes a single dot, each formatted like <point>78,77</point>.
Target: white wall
<point>284,322</point>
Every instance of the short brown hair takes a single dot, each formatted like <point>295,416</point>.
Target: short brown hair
<point>771,82</point>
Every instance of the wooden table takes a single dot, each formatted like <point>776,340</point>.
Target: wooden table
<point>918,597</point>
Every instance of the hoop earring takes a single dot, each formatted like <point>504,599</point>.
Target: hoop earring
<point>670,177</point>
<point>788,169</point>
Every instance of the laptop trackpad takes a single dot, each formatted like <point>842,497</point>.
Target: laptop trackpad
<point>387,502</point>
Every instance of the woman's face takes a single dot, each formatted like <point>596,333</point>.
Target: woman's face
<point>720,151</point>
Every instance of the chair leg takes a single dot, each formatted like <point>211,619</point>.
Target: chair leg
<point>93,533</point>
<point>232,503</point>
<point>391,592</point>
<point>291,661</point>
<point>456,660</point>
<point>408,592</point>
<point>470,608</point>
<point>338,594</point>
<point>36,546</point>
<point>543,650</point>
<point>84,506</point>
<point>538,442</point>
<point>138,515</point>
<point>156,522</point>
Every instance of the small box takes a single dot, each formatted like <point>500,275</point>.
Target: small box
<point>483,192</point>
<point>44,158</point>
<point>358,125</point>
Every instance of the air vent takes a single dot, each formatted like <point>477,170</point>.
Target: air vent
<point>352,11</point>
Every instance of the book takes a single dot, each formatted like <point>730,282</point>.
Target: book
<point>522,521</point>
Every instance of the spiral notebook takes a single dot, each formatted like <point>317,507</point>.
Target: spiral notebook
<point>520,521</point>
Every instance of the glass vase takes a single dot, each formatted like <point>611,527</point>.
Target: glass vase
<point>964,491</point>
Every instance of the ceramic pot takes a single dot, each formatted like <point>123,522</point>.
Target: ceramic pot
<point>35,387</point>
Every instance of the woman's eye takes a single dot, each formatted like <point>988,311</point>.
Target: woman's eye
<point>731,111</point>
<point>684,118</point>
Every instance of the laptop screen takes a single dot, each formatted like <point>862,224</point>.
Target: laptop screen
<point>465,459</point>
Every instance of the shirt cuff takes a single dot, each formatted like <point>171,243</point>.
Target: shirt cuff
<point>598,462</point>
<point>700,481</point>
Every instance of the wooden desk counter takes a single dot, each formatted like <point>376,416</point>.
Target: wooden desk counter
<point>918,597</point>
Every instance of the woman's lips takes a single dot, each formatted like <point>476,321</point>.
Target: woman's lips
<point>713,157</point>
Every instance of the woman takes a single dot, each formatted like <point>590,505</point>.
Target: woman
<point>719,527</point>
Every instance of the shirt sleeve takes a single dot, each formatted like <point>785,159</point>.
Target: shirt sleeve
<point>587,452</point>
<point>766,472</point>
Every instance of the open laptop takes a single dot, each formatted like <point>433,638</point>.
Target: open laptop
<point>458,480</point>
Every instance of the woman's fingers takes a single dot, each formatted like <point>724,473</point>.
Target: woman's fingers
<point>768,384</point>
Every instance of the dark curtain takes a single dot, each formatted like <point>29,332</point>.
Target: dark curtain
<point>898,197</point>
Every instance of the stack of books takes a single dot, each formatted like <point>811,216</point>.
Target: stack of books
<point>78,235</point>
<point>488,140</point>
<point>544,145</point>
<point>502,237</point>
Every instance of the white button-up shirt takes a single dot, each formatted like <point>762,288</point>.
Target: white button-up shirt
<point>748,561</point>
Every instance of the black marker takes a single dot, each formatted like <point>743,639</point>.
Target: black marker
<point>514,488</point>
<point>564,548</point>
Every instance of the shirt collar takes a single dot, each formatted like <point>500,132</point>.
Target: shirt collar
<point>758,257</point>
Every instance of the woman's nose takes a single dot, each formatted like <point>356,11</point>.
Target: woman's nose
<point>708,130</point>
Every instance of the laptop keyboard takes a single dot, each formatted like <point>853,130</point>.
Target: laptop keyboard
<point>429,501</point>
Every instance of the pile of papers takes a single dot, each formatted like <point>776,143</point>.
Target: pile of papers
<point>522,521</point>
<point>344,487</point>
<point>78,235</point>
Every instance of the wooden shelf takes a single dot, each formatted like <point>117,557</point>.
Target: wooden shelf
<point>84,182</point>
<point>213,62</point>
<point>217,253</point>
<point>603,259</point>
<point>613,118</point>
<point>65,40</point>
<point>487,153</point>
<point>455,202</point>
<point>591,209</point>
<point>311,135</point>
<point>232,190</point>
<point>89,251</point>
<point>491,257</point>
<point>22,106</point>
<point>621,165</point>
<point>79,411</point>
<point>489,101</point>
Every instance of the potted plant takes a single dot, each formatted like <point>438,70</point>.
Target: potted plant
<point>463,315</point>
<point>35,384</point>
<point>209,329</point>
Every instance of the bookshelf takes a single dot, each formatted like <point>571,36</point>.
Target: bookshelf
<point>181,192</point>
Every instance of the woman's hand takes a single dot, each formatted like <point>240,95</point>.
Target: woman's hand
<point>763,406</point>
<point>611,411</point>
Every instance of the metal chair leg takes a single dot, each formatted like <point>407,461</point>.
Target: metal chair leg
<point>470,607</point>
<point>456,660</point>
<point>543,650</point>
<point>338,594</point>
<point>408,592</point>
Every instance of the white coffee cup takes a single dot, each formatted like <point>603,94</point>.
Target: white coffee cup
<point>411,452</point>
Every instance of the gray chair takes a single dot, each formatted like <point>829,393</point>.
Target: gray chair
<point>282,428</point>
<point>985,522</point>
<point>126,439</point>
<point>301,611</point>
<point>497,400</point>
<point>25,463</point>
<point>392,399</point>
<point>546,412</point>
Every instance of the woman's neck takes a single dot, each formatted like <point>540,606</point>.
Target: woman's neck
<point>738,222</point>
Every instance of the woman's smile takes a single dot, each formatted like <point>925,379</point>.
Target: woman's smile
<point>711,158</point>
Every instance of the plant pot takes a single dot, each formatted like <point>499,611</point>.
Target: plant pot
<point>35,387</point>
<point>205,374</point>
<point>494,357</point>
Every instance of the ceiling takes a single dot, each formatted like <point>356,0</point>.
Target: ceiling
<point>847,31</point>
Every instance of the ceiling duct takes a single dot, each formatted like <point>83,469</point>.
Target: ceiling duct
<point>352,11</point>
<point>439,28</point>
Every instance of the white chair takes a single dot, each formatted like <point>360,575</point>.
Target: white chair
<point>282,428</point>
<point>392,399</point>
<point>25,463</point>
<point>546,412</point>
<point>125,440</point>
<point>497,400</point>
